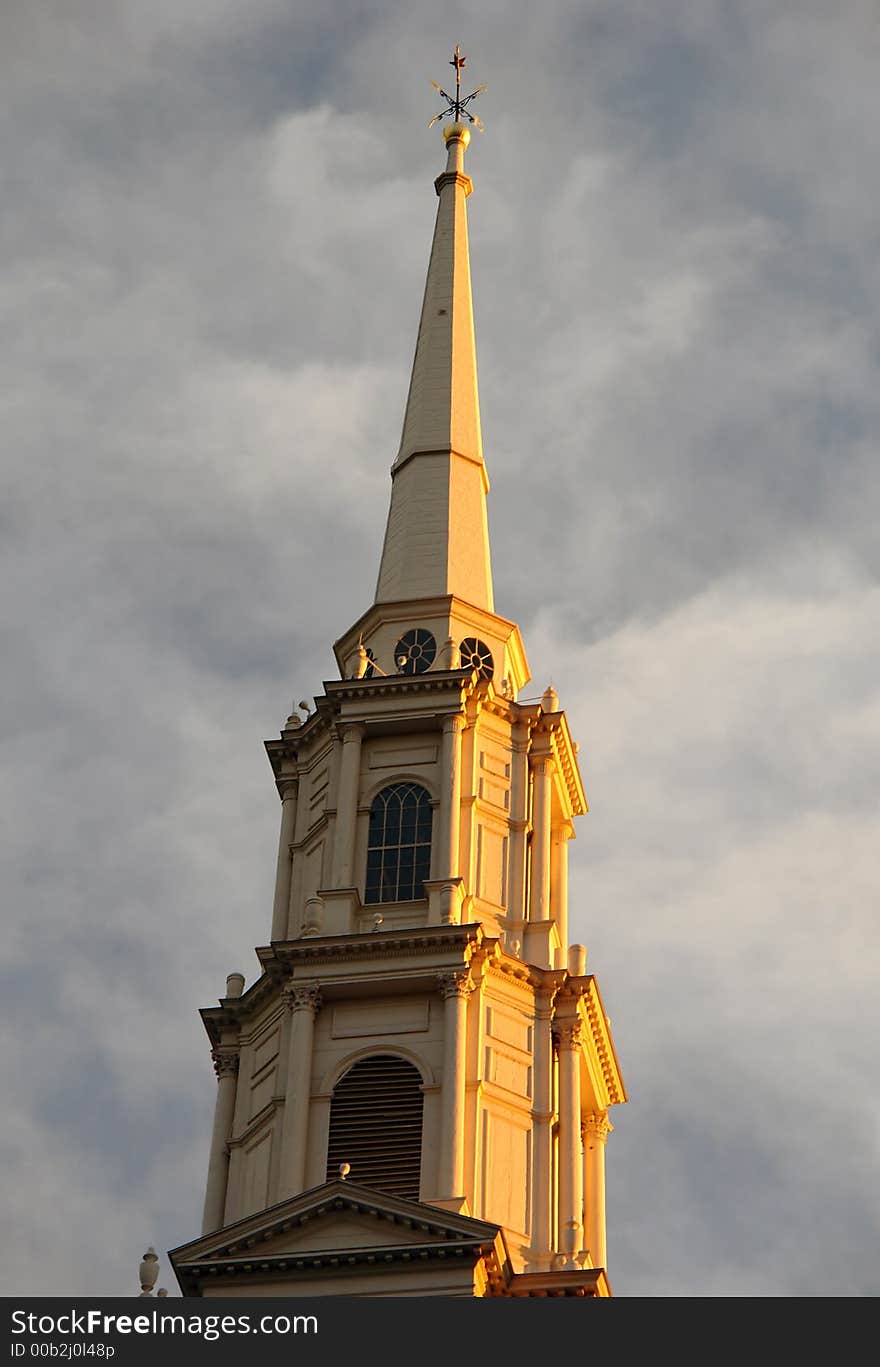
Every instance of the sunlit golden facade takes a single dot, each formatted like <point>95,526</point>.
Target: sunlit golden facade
<point>414,1094</point>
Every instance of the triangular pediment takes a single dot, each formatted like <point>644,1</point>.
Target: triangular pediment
<point>337,1216</point>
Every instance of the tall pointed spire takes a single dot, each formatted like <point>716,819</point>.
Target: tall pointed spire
<point>437,538</point>
<point>421,897</point>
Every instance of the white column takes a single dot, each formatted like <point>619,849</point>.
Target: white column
<point>559,884</point>
<point>570,1162</point>
<point>347,803</point>
<point>542,1180</point>
<point>281,907</point>
<point>450,801</point>
<point>596,1129</point>
<point>539,902</point>
<point>456,987</point>
<point>303,1000</point>
<point>519,798</point>
<point>226,1068</point>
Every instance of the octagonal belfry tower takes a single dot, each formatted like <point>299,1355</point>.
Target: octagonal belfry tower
<point>413,1094</point>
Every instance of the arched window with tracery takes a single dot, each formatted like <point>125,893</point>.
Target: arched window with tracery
<point>376,1125</point>
<point>399,844</point>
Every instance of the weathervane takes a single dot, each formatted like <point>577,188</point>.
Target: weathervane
<point>457,106</point>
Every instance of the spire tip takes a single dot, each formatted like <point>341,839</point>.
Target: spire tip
<point>456,105</point>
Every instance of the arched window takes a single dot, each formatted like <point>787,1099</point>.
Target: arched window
<point>399,845</point>
<point>376,1125</point>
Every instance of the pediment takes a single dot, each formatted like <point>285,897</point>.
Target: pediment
<point>337,1216</point>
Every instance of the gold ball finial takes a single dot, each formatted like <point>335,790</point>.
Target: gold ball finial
<point>457,130</point>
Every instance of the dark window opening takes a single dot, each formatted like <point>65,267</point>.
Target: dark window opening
<point>399,844</point>
<point>376,1125</point>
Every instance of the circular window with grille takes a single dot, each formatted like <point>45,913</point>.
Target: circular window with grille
<point>415,651</point>
<point>477,655</point>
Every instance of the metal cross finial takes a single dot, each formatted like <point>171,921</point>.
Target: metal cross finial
<point>457,106</point>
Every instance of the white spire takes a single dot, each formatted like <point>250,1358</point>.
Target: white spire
<point>437,540</point>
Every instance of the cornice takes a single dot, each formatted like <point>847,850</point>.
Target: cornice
<point>499,706</point>
<point>519,974</point>
<point>283,958</point>
<point>594,1015</point>
<point>436,1236</point>
<point>295,1212</point>
<point>401,609</point>
<point>590,1282</point>
<point>286,749</point>
<point>288,954</point>
<point>233,1012</point>
<point>578,1003</point>
<point>554,725</point>
<point>338,1259</point>
<point>452,681</point>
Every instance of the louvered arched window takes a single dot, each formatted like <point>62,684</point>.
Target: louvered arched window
<point>399,845</point>
<point>376,1125</point>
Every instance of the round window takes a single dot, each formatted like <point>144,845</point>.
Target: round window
<point>415,651</point>
<point>477,655</point>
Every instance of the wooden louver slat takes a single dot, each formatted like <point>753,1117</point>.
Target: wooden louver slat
<point>376,1125</point>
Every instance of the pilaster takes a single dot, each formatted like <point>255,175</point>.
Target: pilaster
<point>519,828</point>
<point>289,790</point>
<point>542,778</point>
<point>450,806</point>
<point>560,835</point>
<point>542,1118</point>
<point>569,1035</point>
<point>455,986</point>
<point>347,804</point>
<point>226,1067</point>
<point>595,1131</point>
<point>303,1001</point>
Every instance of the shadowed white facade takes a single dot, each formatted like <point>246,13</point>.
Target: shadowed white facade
<point>419,1013</point>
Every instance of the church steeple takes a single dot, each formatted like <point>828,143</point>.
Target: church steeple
<point>437,538</point>
<point>413,1094</point>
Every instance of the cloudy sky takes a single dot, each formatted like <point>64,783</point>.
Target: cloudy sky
<point>215,220</point>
